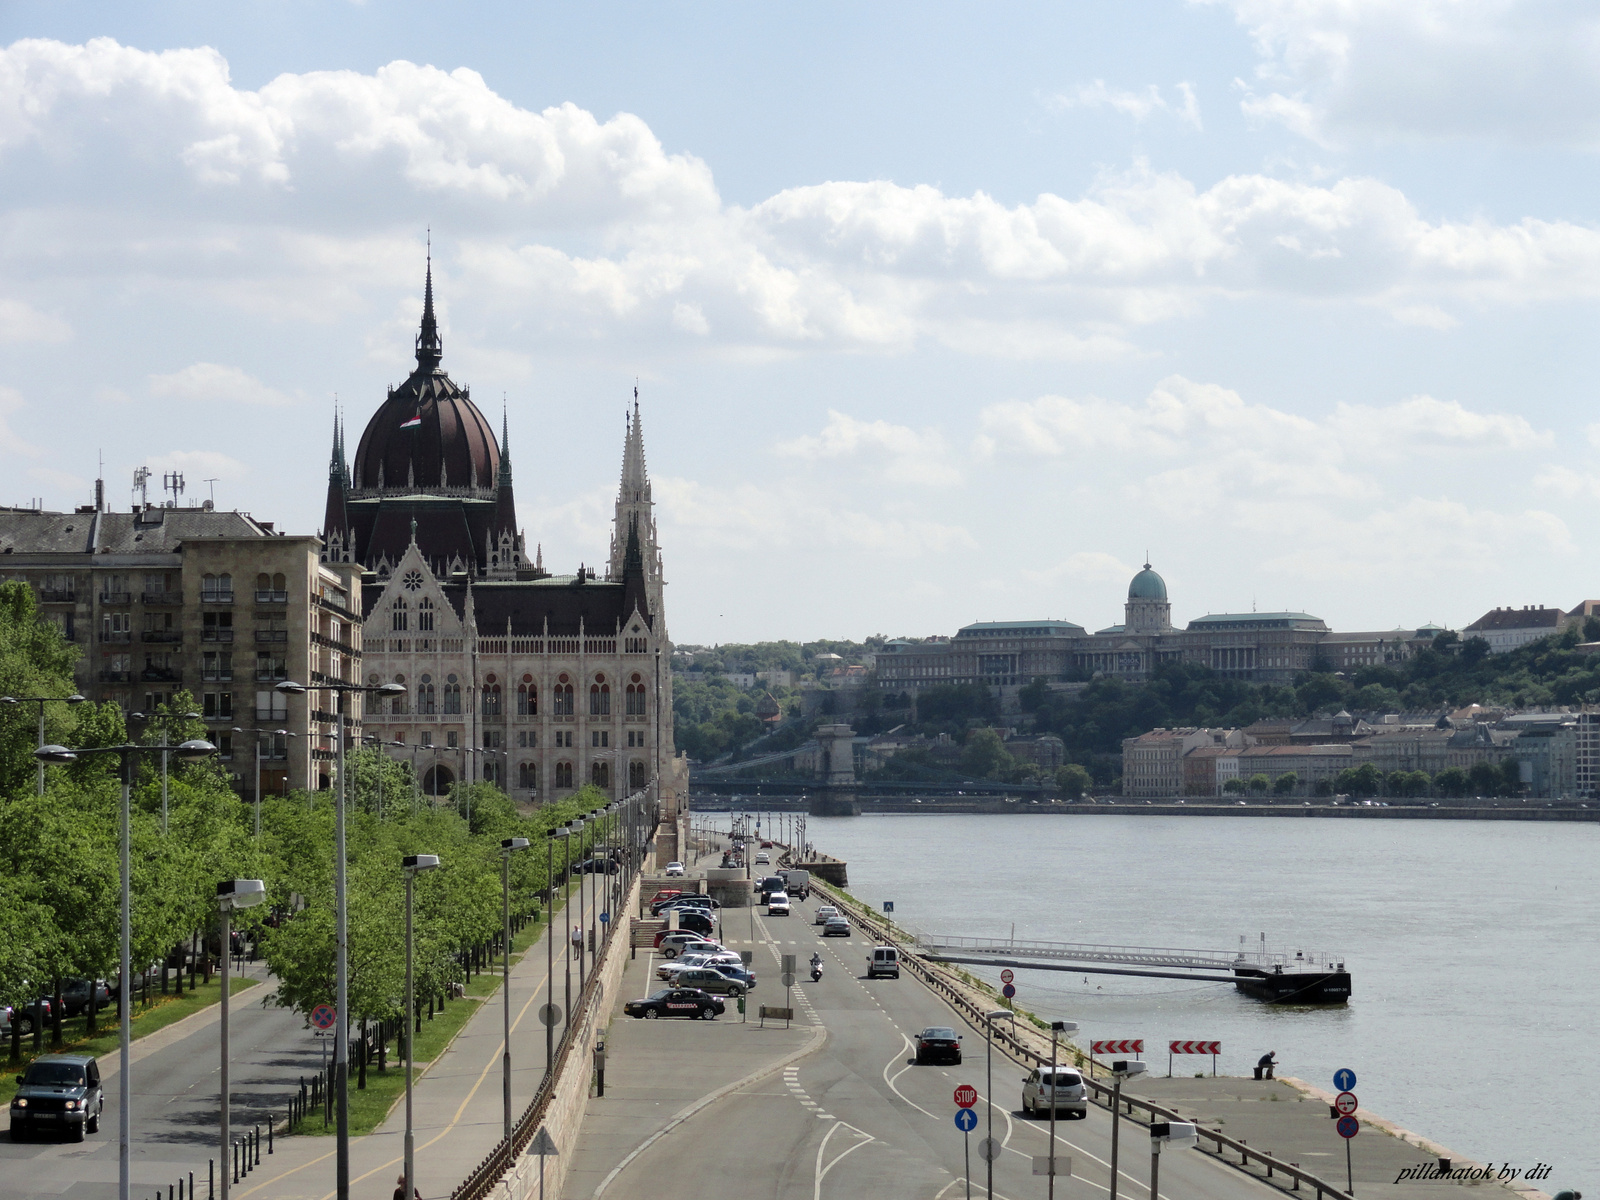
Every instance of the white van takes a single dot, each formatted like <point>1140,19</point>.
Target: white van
<point>778,904</point>
<point>885,960</point>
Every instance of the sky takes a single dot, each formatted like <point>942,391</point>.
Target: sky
<point>938,313</point>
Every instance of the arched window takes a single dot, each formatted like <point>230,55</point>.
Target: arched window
<point>426,704</point>
<point>600,699</point>
<point>563,774</point>
<point>279,582</point>
<point>634,700</point>
<point>452,695</point>
<point>525,774</point>
<point>563,698</point>
<point>527,700</point>
<point>263,582</point>
<point>397,706</point>
<point>637,773</point>
<point>424,614</point>
<point>491,699</point>
<point>398,618</point>
<point>600,774</point>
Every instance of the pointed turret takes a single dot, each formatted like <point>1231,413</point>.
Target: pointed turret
<point>430,349</point>
<point>635,590</point>
<point>635,508</point>
<point>335,514</point>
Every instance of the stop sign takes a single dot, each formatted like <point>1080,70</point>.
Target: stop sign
<point>966,1096</point>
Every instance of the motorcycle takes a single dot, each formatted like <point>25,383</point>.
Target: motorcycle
<point>816,970</point>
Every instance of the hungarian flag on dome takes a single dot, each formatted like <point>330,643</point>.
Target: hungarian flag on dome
<point>413,423</point>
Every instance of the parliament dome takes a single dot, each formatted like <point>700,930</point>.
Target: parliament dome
<point>428,435</point>
<point>1147,585</point>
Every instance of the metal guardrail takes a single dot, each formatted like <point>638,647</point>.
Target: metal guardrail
<point>1140,956</point>
<point>1101,1093</point>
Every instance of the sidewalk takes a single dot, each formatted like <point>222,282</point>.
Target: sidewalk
<point>457,1103</point>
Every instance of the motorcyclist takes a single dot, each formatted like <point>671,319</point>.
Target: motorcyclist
<point>816,966</point>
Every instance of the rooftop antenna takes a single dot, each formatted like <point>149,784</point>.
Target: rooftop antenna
<point>213,484</point>
<point>173,483</point>
<point>141,484</point>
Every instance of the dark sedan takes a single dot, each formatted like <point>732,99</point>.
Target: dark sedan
<point>938,1044</point>
<point>676,1002</point>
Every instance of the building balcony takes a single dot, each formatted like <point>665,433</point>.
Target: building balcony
<point>163,599</point>
<point>272,635</point>
<point>216,597</point>
<point>216,635</point>
<point>161,675</point>
<point>216,677</point>
<point>116,677</point>
<point>57,596</point>
<point>162,636</point>
<point>116,599</point>
<point>117,637</point>
<point>271,597</point>
<point>272,675</point>
<point>279,715</point>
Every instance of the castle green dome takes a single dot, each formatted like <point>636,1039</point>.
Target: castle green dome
<point>1147,585</point>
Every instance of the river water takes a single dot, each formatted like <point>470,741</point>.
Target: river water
<point>1472,948</point>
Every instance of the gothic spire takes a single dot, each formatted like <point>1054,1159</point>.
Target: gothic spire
<point>336,458</point>
<point>635,487</point>
<point>505,448</point>
<point>430,349</point>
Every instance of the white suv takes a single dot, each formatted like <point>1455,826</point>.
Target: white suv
<point>778,904</point>
<point>1070,1094</point>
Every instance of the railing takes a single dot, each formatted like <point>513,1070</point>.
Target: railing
<point>161,675</point>
<point>216,676</point>
<point>1143,956</point>
<point>563,646</point>
<point>57,595</point>
<point>116,598</point>
<point>116,676</point>
<point>272,675</point>
<point>271,597</point>
<point>272,635</point>
<point>163,598</point>
<point>600,645</point>
<point>164,636</point>
<point>117,637</point>
<point>337,610</point>
<point>1100,1093</point>
<point>492,646</point>
<point>216,597</point>
<point>272,714</point>
<point>214,634</point>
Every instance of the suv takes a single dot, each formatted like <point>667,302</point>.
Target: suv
<point>707,980</point>
<point>1068,1094</point>
<point>885,960</point>
<point>59,1091</point>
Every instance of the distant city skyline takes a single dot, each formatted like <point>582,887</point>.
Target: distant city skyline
<point>937,314</point>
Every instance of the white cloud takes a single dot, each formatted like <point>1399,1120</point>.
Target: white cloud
<point>1514,71</point>
<point>21,323</point>
<point>905,455</point>
<point>1085,566</point>
<point>1139,105</point>
<point>11,401</point>
<point>216,384</point>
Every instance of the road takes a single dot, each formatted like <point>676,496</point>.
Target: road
<point>856,1117</point>
<point>176,1096</point>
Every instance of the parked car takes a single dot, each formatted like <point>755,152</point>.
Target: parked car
<point>824,911</point>
<point>884,960</point>
<point>837,926</point>
<point>666,894</point>
<point>938,1043</point>
<point>673,942</point>
<point>1066,1092</point>
<point>715,960</point>
<point>59,1092</point>
<point>75,996</point>
<point>777,904</point>
<point>674,870</point>
<point>676,1002</point>
<point>708,980</point>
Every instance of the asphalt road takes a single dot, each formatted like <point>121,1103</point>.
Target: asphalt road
<point>176,1093</point>
<point>857,1118</point>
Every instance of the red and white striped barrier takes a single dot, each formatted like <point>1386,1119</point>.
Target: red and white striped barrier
<point>1125,1046</point>
<point>1194,1047</point>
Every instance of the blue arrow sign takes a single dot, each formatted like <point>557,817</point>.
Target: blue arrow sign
<point>966,1119</point>
<point>1344,1079</point>
<point>605,918</point>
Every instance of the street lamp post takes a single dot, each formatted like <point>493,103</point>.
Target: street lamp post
<point>1057,1028</point>
<point>508,847</point>
<point>41,701</point>
<point>341,1043</point>
<point>190,751</point>
<point>231,894</point>
<point>550,945</point>
<point>411,865</point>
<point>165,719</point>
<point>1119,1072</point>
<point>989,1019</point>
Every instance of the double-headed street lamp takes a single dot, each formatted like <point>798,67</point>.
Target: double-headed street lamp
<point>231,894</point>
<point>341,1044</point>
<point>190,751</point>
<point>411,865</point>
<point>165,720</point>
<point>508,847</point>
<point>41,701</point>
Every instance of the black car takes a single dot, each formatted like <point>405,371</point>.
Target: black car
<point>58,1092</point>
<point>75,995</point>
<point>938,1044</point>
<point>676,1002</point>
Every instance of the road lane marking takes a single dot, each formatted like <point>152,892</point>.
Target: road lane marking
<point>892,1087</point>
<point>822,1171</point>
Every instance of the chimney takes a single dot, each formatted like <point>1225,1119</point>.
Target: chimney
<point>99,495</point>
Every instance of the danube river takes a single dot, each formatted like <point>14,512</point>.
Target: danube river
<point>1472,947</point>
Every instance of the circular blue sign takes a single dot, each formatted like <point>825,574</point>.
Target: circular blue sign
<point>966,1119</point>
<point>1009,990</point>
<point>1348,1127</point>
<point>1344,1080</point>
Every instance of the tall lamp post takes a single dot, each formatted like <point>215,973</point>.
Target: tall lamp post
<point>550,945</point>
<point>508,847</point>
<point>232,894</point>
<point>341,1043</point>
<point>165,720</point>
<point>41,701</point>
<point>1057,1028</point>
<point>989,1018</point>
<point>411,865</point>
<point>190,751</point>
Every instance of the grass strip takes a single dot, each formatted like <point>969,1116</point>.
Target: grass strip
<point>163,1011</point>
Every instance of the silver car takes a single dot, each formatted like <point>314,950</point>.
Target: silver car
<point>1067,1091</point>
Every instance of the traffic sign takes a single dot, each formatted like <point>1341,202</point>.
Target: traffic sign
<point>605,918</point>
<point>1344,1079</point>
<point>1009,990</point>
<point>323,1016</point>
<point>1348,1127</point>
<point>888,906</point>
<point>1194,1047</point>
<point>1006,976</point>
<point>966,1120</point>
<point>989,1148</point>
<point>549,1014</point>
<point>1345,1102</point>
<point>788,979</point>
<point>966,1096</point>
<point>543,1144</point>
<point>1125,1046</point>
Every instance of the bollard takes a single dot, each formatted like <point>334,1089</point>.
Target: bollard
<point>1244,1156</point>
<point>1268,1161</point>
<point>255,1133</point>
<point>1296,1186</point>
<point>211,1179</point>
<point>269,1135</point>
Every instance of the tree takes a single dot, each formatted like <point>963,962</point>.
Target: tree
<point>1073,781</point>
<point>1285,784</point>
<point>1259,783</point>
<point>1323,787</point>
<point>1365,780</point>
<point>1484,778</point>
<point>1233,786</point>
<point>985,754</point>
<point>1473,651</point>
<point>957,703</point>
<point>1032,698</point>
<point>1452,782</point>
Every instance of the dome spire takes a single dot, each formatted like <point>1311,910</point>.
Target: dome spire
<point>430,349</point>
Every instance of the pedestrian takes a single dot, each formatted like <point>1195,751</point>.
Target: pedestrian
<point>400,1190</point>
<point>1265,1064</point>
<point>577,941</point>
